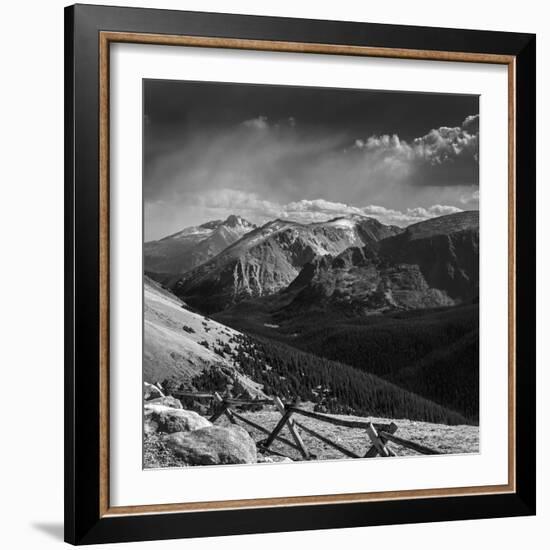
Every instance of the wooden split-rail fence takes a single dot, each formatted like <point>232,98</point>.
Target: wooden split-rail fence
<point>378,435</point>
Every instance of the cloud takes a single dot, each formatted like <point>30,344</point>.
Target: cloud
<point>447,144</point>
<point>320,206</point>
<point>276,160</point>
<point>227,201</point>
<point>471,124</point>
<point>439,146</point>
<point>262,122</point>
<point>267,168</point>
<point>250,206</point>
<point>234,201</point>
<point>409,215</point>
<point>258,123</point>
<point>471,199</point>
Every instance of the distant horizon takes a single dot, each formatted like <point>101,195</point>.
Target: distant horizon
<point>318,221</point>
<point>306,154</point>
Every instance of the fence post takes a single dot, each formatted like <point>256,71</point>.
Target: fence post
<point>278,428</point>
<point>379,434</point>
<point>227,411</point>
<point>292,428</point>
<point>373,451</point>
<point>222,410</point>
<point>377,443</point>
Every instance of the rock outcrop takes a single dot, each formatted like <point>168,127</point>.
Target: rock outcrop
<point>190,439</point>
<point>213,445</point>
<point>159,418</point>
<point>150,391</point>
<point>430,264</point>
<point>446,250</point>
<point>167,401</point>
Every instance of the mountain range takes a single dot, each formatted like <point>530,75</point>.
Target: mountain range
<point>354,262</point>
<point>357,297</point>
<point>429,264</point>
<point>268,259</point>
<point>186,249</point>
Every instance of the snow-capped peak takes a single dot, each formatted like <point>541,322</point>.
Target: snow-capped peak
<point>345,223</point>
<point>234,221</point>
<point>194,231</point>
<point>208,228</point>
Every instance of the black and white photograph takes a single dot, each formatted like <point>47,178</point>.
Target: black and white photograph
<point>275,275</point>
<point>310,274</point>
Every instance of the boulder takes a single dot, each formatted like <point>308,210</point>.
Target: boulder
<point>167,401</point>
<point>213,445</point>
<point>159,418</point>
<point>151,392</point>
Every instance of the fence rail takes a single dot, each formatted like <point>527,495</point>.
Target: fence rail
<point>377,435</point>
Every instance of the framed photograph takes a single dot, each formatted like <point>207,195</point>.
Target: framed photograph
<point>300,274</point>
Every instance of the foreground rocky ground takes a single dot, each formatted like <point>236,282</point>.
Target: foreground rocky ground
<point>443,438</point>
<point>175,437</point>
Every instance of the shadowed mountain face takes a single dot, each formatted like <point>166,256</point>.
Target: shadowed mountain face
<point>446,250</point>
<point>430,264</point>
<point>269,258</point>
<point>192,246</point>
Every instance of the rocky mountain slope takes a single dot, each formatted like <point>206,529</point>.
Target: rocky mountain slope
<point>192,246</point>
<point>269,258</point>
<point>430,264</point>
<point>446,250</point>
<point>180,344</point>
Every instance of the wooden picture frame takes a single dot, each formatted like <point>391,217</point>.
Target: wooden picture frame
<point>89,32</point>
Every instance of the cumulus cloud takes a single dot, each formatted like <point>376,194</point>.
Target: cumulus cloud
<point>439,146</point>
<point>387,216</point>
<point>471,124</point>
<point>320,206</point>
<point>226,201</point>
<point>250,206</point>
<point>258,123</point>
<point>263,169</point>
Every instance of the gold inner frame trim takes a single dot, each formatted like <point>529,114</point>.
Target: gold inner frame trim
<point>105,39</point>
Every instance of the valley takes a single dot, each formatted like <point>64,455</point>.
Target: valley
<point>350,316</point>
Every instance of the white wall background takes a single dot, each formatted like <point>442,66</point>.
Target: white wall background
<point>31,230</point>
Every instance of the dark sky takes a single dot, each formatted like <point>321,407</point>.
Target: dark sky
<point>211,149</point>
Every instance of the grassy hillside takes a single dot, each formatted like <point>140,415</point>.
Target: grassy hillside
<point>179,344</point>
